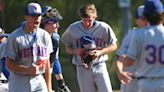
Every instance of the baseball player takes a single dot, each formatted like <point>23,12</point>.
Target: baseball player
<point>140,22</point>
<point>146,48</point>
<point>3,39</point>
<point>94,78</point>
<point>50,20</point>
<point>27,54</point>
<point>3,71</point>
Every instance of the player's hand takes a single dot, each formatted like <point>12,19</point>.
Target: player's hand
<point>125,77</point>
<point>35,69</point>
<point>95,53</point>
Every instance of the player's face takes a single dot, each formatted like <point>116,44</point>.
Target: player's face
<point>141,22</point>
<point>2,39</point>
<point>88,22</point>
<point>33,21</point>
<point>51,27</point>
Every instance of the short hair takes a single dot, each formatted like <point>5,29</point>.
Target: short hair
<point>154,18</point>
<point>87,10</point>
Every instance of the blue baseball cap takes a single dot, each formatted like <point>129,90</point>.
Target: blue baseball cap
<point>139,12</point>
<point>87,42</point>
<point>153,6</point>
<point>33,9</point>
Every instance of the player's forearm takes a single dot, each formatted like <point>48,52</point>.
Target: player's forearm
<point>118,66</point>
<point>108,49</point>
<point>124,77</point>
<point>76,51</point>
<point>47,77</point>
<point>20,69</point>
<point>70,50</point>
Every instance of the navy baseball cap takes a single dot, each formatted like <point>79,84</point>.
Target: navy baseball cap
<point>153,6</point>
<point>33,9</point>
<point>139,12</point>
<point>87,42</point>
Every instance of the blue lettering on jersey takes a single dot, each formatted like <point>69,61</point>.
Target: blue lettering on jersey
<point>38,51</point>
<point>99,42</point>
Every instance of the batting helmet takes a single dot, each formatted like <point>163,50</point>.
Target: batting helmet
<point>50,14</point>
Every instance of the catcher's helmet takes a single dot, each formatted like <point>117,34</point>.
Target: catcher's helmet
<point>87,42</point>
<point>3,34</point>
<point>50,14</point>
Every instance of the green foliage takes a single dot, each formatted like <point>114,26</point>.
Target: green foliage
<point>108,11</point>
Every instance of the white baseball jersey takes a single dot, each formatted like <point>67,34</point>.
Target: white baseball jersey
<point>102,34</point>
<point>26,49</point>
<point>147,47</point>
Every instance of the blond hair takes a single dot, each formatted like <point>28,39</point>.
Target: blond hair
<point>87,11</point>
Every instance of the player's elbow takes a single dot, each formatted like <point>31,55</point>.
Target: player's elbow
<point>9,64</point>
<point>69,50</point>
<point>113,47</point>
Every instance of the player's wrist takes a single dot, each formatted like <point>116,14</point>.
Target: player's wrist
<point>29,71</point>
<point>74,51</point>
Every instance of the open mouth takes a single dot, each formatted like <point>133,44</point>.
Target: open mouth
<point>36,22</point>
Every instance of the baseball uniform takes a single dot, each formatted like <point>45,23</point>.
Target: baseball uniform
<point>26,49</point>
<point>147,47</point>
<point>54,57</point>
<point>103,35</point>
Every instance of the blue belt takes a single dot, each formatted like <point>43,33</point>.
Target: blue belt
<point>144,77</point>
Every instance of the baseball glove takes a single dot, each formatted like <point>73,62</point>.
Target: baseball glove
<point>63,89</point>
<point>87,59</point>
